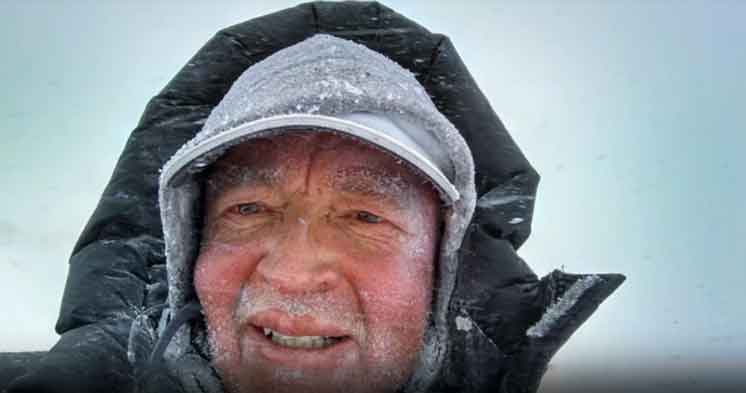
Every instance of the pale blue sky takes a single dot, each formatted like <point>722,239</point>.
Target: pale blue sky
<point>632,112</point>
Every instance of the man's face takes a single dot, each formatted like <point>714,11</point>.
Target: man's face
<point>316,266</point>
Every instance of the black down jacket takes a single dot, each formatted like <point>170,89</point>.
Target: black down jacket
<point>117,273</point>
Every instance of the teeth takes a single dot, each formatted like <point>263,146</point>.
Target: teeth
<point>300,341</point>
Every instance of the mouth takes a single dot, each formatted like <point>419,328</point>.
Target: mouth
<point>300,342</point>
<point>306,341</point>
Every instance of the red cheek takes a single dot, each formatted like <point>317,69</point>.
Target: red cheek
<point>396,306</point>
<point>395,296</point>
<point>220,271</point>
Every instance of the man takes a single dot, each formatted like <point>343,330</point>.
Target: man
<point>316,274</point>
<point>319,250</point>
<point>341,223</point>
<point>331,265</point>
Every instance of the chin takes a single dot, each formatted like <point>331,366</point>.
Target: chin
<point>271,378</point>
<point>294,381</point>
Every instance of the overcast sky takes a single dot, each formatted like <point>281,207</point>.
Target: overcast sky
<point>633,113</point>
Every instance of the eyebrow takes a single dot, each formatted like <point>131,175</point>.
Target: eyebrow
<point>363,181</point>
<point>226,177</point>
<point>372,182</point>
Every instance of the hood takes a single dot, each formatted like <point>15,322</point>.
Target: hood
<point>326,83</point>
<point>497,324</point>
<point>503,323</point>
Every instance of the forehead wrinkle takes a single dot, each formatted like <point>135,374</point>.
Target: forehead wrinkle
<point>316,146</point>
<point>266,162</point>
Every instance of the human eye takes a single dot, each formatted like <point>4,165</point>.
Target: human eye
<point>368,217</point>
<point>242,221</point>
<point>248,209</point>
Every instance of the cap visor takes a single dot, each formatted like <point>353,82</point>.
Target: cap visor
<point>263,126</point>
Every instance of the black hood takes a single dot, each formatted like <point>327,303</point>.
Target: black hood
<point>505,324</point>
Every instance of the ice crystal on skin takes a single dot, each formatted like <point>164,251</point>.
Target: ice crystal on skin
<point>235,175</point>
<point>560,307</point>
<point>253,301</point>
<point>377,183</point>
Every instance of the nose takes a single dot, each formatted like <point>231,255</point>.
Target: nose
<point>298,263</point>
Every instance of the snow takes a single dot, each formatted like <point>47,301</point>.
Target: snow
<point>497,197</point>
<point>560,307</point>
<point>463,323</point>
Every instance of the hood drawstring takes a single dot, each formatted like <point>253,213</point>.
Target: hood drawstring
<point>190,311</point>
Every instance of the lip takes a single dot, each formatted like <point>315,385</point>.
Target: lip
<point>306,358</point>
<point>295,326</point>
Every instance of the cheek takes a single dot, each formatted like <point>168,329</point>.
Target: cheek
<point>396,305</point>
<point>220,272</point>
<point>396,302</point>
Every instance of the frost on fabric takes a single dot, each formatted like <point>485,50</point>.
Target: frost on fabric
<point>463,323</point>
<point>499,197</point>
<point>141,340</point>
<point>560,307</point>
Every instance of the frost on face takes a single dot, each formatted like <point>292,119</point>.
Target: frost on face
<point>372,182</point>
<point>229,175</point>
<point>336,310</point>
<point>344,263</point>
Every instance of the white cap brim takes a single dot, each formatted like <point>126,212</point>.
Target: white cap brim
<point>396,136</point>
